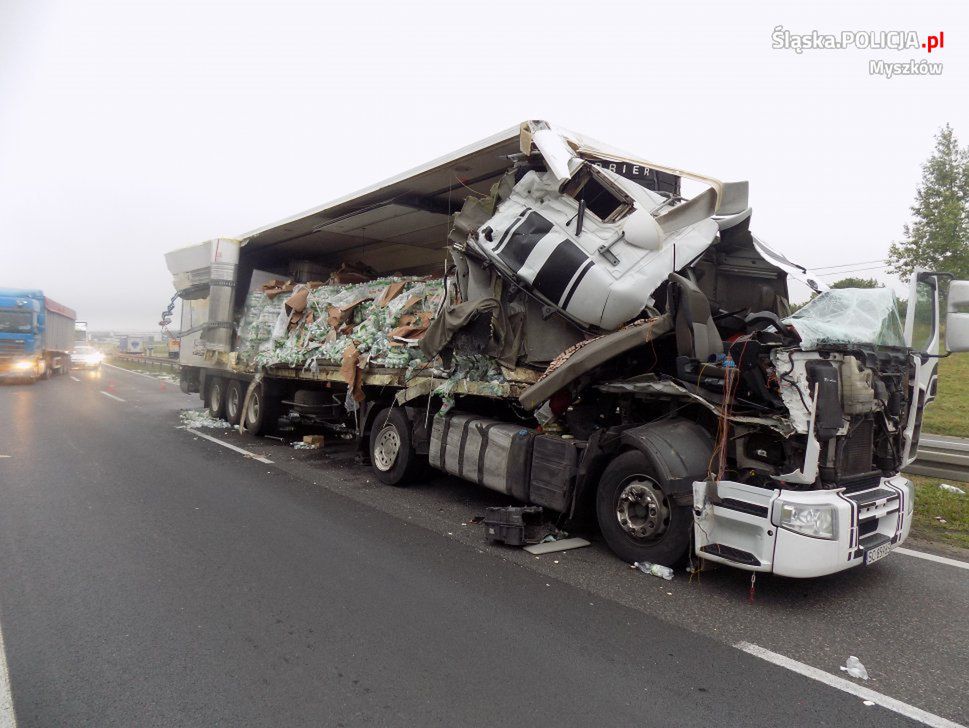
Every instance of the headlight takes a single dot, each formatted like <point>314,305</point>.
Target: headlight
<point>817,521</point>
<point>23,364</point>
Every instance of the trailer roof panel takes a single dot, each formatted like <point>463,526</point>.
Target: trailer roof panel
<point>412,207</point>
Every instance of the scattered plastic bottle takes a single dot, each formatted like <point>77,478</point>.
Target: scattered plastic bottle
<point>854,668</point>
<point>663,572</point>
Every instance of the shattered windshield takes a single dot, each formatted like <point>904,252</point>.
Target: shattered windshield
<point>850,316</point>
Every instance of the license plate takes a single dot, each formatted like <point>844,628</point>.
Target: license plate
<point>877,553</point>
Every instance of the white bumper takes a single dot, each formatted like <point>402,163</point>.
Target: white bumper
<point>739,525</point>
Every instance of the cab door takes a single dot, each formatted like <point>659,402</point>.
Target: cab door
<point>922,337</point>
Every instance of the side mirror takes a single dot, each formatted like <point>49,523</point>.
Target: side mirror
<point>957,317</point>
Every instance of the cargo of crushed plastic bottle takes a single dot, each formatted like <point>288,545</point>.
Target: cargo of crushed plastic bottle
<point>313,324</point>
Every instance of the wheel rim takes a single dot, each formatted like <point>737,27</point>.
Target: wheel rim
<point>386,447</point>
<point>253,411</point>
<point>232,402</point>
<point>642,509</point>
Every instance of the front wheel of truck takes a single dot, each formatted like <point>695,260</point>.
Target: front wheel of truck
<point>638,519</point>
<point>392,449</point>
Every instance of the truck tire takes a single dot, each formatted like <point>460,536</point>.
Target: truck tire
<point>216,398</point>
<point>392,452</point>
<point>638,519</point>
<point>235,395</point>
<point>260,411</point>
<point>48,370</point>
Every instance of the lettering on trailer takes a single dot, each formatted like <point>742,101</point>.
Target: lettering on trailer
<point>651,179</point>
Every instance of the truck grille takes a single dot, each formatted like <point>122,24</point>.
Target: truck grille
<point>11,347</point>
<point>855,450</point>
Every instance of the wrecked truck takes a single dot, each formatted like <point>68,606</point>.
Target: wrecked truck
<point>559,321</point>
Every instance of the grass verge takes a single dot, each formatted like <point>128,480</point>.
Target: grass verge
<point>947,414</point>
<point>932,503</point>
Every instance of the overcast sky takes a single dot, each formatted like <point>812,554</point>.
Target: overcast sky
<point>128,129</point>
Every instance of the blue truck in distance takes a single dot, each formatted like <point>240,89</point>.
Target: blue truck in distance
<point>36,335</point>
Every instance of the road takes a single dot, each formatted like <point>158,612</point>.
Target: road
<point>149,576</point>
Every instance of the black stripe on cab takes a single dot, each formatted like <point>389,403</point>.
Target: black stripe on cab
<point>523,241</point>
<point>554,276</point>
<point>578,279</point>
<point>514,223</point>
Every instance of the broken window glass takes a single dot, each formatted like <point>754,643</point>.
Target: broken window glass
<point>850,316</point>
<point>606,203</point>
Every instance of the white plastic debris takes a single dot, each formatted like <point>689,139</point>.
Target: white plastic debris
<point>306,446</point>
<point>854,668</point>
<point>194,419</point>
<point>663,572</point>
<point>951,489</point>
<point>562,544</point>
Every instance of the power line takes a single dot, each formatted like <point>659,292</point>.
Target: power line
<point>849,265</point>
<point>853,270</point>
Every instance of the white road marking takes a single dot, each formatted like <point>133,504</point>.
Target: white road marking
<point>909,711</point>
<point>239,450</point>
<point>7,717</point>
<point>932,557</point>
<point>75,378</point>
<point>108,394</point>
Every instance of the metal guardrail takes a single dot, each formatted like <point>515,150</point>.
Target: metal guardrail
<point>162,362</point>
<point>942,457</point>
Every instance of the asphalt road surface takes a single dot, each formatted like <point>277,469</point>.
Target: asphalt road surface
<point>149,576</point>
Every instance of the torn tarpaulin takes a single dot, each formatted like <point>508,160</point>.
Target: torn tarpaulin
<point>502,340</point>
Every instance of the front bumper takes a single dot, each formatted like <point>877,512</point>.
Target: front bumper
<point>739,525</point>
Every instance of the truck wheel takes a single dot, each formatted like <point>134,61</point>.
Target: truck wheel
<point>217,398</point>
<point>391,448</point>
<point>235,394</point>
<point>259,414</point>
<point>638,520</point>
<point>48,370</point>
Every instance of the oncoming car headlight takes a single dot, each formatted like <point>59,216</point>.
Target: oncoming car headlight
<point>819,521</point>
<point>23,364</point>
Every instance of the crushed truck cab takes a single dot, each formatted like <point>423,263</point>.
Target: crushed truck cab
<point>588,340</point>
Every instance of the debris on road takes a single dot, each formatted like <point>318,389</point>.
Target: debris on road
<point>663,572</point>
<point>194,419</point>
<point>563,544</point>
<point>310,442</point>
<point>951,489</point>
<point>515,525</point>
<point>854,668</point>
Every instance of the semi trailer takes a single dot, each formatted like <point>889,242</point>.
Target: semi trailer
<point>557,320</point>
<point>36,335</point>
